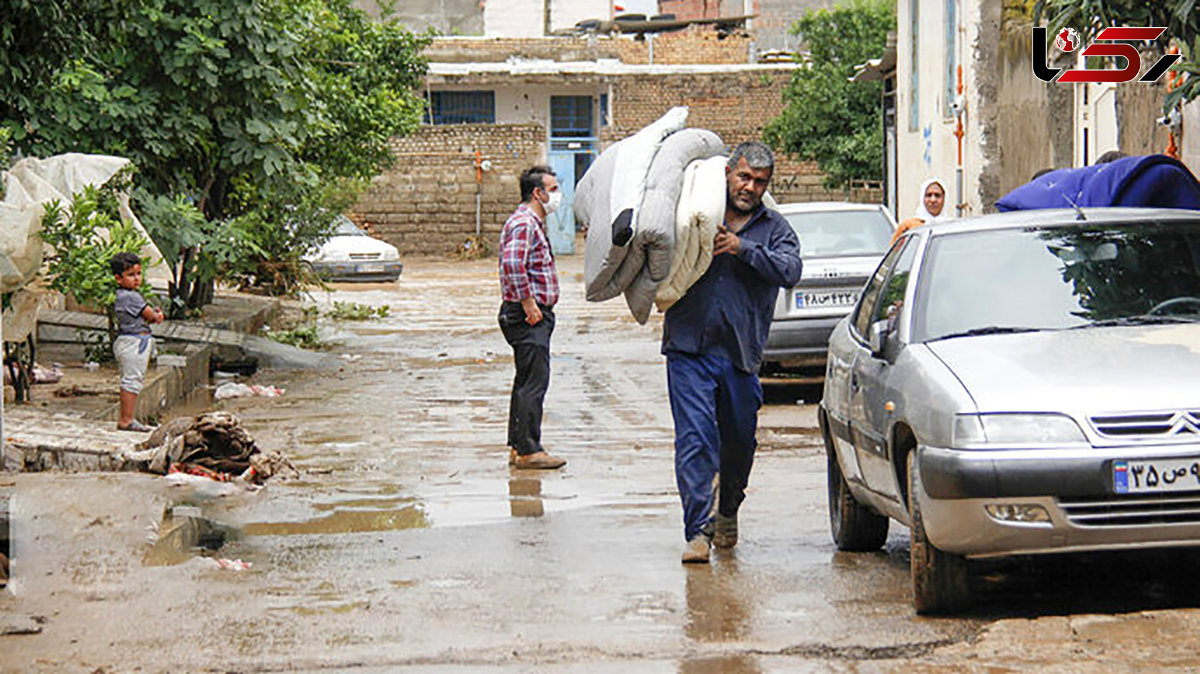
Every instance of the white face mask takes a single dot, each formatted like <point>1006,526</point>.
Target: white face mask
<point>553,202</point>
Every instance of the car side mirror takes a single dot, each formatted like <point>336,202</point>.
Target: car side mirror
<point>877,340</point>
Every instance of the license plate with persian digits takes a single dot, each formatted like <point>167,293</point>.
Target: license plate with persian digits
<point>821,299</point>
<point>1156,475</point>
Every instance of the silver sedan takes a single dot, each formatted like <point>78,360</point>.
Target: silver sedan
<point>1020,383</point>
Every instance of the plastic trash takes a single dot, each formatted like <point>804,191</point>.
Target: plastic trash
<point>233,389</point>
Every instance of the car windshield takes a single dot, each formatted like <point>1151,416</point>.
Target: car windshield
<point>842,233</point>
<point>1059,277</point>
<point>343,226</point>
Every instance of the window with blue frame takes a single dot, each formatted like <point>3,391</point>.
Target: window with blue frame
<point>571,117</point>
<point>461,107</point>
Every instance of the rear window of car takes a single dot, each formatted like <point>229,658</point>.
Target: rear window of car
<point>841,233</point>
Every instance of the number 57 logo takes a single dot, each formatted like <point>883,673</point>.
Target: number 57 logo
<point>1067,41</point>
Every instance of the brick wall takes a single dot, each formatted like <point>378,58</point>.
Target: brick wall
<point>735,106</point>
<point>697,44</point>
<point>425,205</point>
<point>696,9</point>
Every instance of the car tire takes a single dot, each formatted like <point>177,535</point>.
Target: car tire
<point>855,527</point>
<point>939,579</point>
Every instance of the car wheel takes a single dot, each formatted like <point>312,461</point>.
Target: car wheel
<point>855,527</point>
<point>939,578</point>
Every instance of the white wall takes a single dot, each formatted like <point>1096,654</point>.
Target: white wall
<point>931,149</point>
<point>531,103</point>
<point>526,18</point>
<point>1189,151</point>
<point>513,18</point>
<point>567,13</point>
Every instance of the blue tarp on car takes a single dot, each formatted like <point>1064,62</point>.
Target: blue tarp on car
<point>1150,181</point>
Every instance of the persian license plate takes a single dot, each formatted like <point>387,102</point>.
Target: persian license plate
<point>370,267</point>
<point>821,299</point>
<point>1156,475</point>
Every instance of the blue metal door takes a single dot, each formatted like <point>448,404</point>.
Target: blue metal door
<point>572,148</point>
<point>561,223</point>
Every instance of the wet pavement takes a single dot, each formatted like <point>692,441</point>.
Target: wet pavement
<point>407,543</point>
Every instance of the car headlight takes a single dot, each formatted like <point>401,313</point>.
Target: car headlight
<point>391,255</point>
<point>996,431</point>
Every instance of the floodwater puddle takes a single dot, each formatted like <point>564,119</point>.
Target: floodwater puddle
<point>345,522</point>
<point>184,534</point>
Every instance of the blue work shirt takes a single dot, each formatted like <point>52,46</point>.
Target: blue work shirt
<point>728,311</point>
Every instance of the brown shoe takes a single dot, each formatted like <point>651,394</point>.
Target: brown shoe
<point>512,456</point>
<point>539,461</point>
<point>696,550</point>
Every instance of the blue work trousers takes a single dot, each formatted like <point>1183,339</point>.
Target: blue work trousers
<point>715,407</point>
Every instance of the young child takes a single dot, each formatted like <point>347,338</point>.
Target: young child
<point>134,343</point>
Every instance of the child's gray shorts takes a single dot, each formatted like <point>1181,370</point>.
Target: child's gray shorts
<point>133,358</point>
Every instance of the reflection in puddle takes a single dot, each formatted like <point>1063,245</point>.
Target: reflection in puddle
<point>730,664</point>
<point>716,603</point>
<point>183,534</point>
<point>344,522</point>
<point>525,497</point>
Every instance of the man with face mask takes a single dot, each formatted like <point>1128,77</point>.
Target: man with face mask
<point>529,287</point>
<point>713,340</point>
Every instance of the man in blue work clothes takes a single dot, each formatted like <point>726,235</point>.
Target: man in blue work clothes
<point>713,340</point>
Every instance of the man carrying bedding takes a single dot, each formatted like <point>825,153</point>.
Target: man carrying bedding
<point>529,286</point>
<point>713,340</point>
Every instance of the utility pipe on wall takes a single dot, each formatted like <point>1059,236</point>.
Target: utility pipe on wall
<point>959,104</point>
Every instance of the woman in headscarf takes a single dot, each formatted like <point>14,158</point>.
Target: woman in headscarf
<point>933,201</point>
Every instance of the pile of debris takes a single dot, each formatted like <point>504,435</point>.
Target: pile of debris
<point>212,445</point>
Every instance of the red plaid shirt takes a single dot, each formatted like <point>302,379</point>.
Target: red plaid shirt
<point>526,263</point>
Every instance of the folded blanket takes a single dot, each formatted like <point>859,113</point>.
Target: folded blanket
<point>608,202</point>
<point>701,209</point>
<point>633,253</point>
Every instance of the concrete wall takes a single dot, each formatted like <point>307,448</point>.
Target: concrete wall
<point>530,104</point>
<point>527,18</point>
<point>447,17</point>
<point>772,26</point>
<point>1139,105</point>
<point>1031,122</point>
<point>426,203</point>
<point>1190,143</point>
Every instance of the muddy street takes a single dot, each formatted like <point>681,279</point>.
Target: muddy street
<point>408,543</point>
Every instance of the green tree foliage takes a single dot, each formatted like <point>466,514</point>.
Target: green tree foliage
<point>1180,17</point>
<point>828,118</point>
<point>235,106</point>
<point>85,236</point>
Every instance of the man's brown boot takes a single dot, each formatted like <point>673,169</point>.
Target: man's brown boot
<point>539,461</point>
<point>512,456</point>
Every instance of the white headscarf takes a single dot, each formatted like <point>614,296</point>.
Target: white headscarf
<point>925,215</point>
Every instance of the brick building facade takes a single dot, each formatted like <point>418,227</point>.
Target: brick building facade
<point>426,204</point>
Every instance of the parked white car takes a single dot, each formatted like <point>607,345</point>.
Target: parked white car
<point>352,255</point>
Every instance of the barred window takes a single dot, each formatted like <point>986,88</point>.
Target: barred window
<point>461,107</point>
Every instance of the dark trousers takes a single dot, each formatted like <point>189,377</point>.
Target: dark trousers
<point>715,407</point>
<point>531,355</point>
